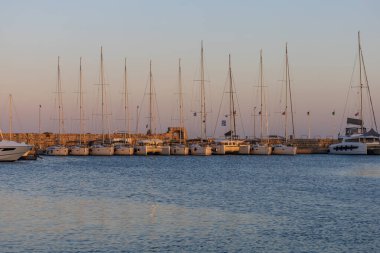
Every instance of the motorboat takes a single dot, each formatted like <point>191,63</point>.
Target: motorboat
<point>11,151</point>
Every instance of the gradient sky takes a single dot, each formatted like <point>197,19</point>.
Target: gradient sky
<point>322,48</point>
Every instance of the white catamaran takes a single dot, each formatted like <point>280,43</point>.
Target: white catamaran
<point>357,140</point>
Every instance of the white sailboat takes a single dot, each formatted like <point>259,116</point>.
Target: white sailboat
<point>80,149</point>
<point>125,148</point>
<point>103,148</point>
<point>286,148</point>
<point>231,144</point>
<point>357,140</point>
<point>151,146</point>
<point>262,148</point>
<point>59,149</point>
<point>202,148</point>
<point>180,148</point>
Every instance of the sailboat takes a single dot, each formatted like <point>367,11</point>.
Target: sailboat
<point>150,146</point>
<point>202,148</point>
<point>286,148</point>
<point>230,144</point>
<point>59,149</point>
<point>125,148</point>
<point>357,140</point>
<point>262,148</point>
<point>81,149</point>
<point>180,148</point>
<point>10,150</point>
<point>103,148</point>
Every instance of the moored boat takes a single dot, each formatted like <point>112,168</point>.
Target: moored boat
<point>11,151</point>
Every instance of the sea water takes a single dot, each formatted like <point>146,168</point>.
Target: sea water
<point>304,203</point>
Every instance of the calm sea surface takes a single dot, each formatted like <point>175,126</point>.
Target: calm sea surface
<point>310,203</point>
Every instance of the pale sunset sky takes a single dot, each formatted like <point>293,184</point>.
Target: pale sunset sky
<point>321,37</point>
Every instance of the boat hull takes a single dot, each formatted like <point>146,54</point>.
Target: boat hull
<point>348,148</point>
<point>200,150</point>
<point>261,150</point>
<point>57,151</point>
<point>179,150</point>
<point>165,150</point>
<point>225,149</point>
<point>244,149</point>
<point>147,150</point>
<point>102,150</point>
<point>284,150</point>
<point>11,151</point>
<point>123,150</point>
<point>79,151</point>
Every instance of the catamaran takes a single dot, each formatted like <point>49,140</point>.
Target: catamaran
<point>286,148</point>
<point>59,149</point>
<point>357,140</point>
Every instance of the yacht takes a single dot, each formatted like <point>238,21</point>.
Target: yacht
<point>180,148</point>
<point>103,148</point>
<point>80,149</point>
<point>357,140</point>
<point>11,151</point>
<point>286,148</point>
<point>125,148</point>
<point>59,149</point>
<point>261,149</point>
<point>357,143</point>
<point>202,148</point>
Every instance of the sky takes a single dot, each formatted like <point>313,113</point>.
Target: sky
<point>322,45</point>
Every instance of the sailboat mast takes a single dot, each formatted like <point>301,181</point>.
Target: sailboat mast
<point>360,81</point>
<point>10,117</point>
<point>150,99</point>
<point>286,91</point>
<point>126,113</point>
<point>60,104</point>
<point>80,101</point>
<point>102,87</point>
<point>232,102</point>
<point>203,98</point>
<point>261,95</point>
<point>291,101</point>
<point>181,121</point>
